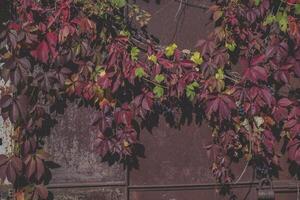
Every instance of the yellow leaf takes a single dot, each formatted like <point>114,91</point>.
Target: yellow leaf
<point>102,73</point>
<point>248,156</point>
<point>220,74</point>
<point>126,144</point>
<point>197,58</point>
<point>7,55</point>
<point>152,58</point>
<point>68,82</point>
<point>20,196</point>
<point>170,50</point>
<point>259,121</point>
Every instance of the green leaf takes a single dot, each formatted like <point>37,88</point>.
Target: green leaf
<point>153,58</point>
<point>269,19</point>
<point>257,2</point>
<point>159,78</point>
<point>190,90</point>
<point>98,69</point>
<point>195,84</point>
<point>134,53</point>
<point>197,58</point>
<point>119,3</point>
<point>190,94</point>
<point>282,20</point>
<point>158,91</point>
<point>217,15</point>
<point>124,33</point>
<point>297,9</point>
<point>170,50</point>
<point>230,46</point>
<point>139,72</point>
<point>220,74</point>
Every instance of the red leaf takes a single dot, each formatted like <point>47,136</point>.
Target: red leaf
<point>124,115</point>
<point>221,106</point>
<point>291,123</point>
<point>253,72</point>
<point>11,173</point>
<point>64,33</point>
<point>41,192</point>
<point>269,140</point>
<point>147,101</point>
<point>293,148</point>
<point>166,63</point>
<point>52,38</point>
<point>285,102</point>
<point>3,159</point>
<point>30,166</point>
<point>5,101</point>
<point>17,164</point>
<point>3,170</point>
<point>42,52</point>
<point>258,60</point>
<point>206,46</point>
<point>267,96</point>
<point>40,169</point>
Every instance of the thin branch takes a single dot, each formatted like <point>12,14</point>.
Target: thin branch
<point>179,10</point>
<point>232,79</point>
<point>246,166</point>
<point>243,172</point>
<point>155,83</point>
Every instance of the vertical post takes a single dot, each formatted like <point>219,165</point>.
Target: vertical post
<point>127,192</point>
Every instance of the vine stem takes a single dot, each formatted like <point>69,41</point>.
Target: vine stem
<point>243,172</point>
<point>155,83</point>
<point>179,9</point>
<point>246,166</point>
<point>230,78</point>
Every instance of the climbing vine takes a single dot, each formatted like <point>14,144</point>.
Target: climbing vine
<point>240,80</point>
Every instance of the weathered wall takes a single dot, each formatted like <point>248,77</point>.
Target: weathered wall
<point>176,166</point>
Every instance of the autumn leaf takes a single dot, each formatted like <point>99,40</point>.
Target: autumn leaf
<point>282,20</point>
<point>134,53</point>
<point>217,15</point>
<point>20,195</point>
<point>40,192</point>
<point>190,90</point>
<point>269,19</point>
<point>139,72</point>
<point>64,33</point>
<point>230,46</point>
<point>220,74</point>
<point>153,58</point>
<point>42,52</point>
<point>170,50</point>
<point>197,58</point>
<point>253,70</point>
<point>257,2</point>
<point>158,91</point>
<point>220,106</point>
<point>159,78</point>
<point>119,3</point>
<point>297,9</point>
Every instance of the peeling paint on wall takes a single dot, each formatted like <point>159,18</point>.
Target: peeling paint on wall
<point>5,131</point>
